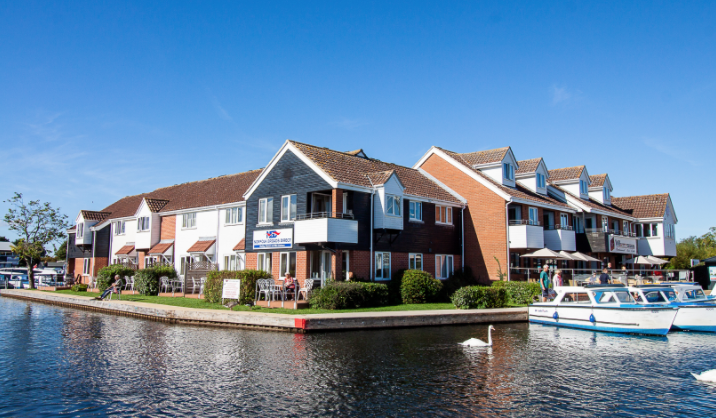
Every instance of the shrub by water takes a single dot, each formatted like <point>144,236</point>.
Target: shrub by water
<point>215,284</point>
<point>519,293</point>
<point>480,297</point>
<point>419,287</point>
<point>349,295</point>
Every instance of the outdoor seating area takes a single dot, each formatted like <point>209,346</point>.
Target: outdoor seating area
<point>270,294</point>
<point>182,286</point>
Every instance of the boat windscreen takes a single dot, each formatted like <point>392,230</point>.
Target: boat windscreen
<point>670,294</point>
<point>654,296</point>
<point>624,297</point>
<point>694,294</point>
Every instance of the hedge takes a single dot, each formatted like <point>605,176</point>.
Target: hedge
<point>105,275</point>
<point>519,293</point>
<point>349,295</point>
<point>419,287</point>
<point>215,283</point>
<point>480,297</point>
<point>461,278</point>
<point>146,281</point>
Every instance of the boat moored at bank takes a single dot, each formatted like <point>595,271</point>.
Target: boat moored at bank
<point>696,312</point>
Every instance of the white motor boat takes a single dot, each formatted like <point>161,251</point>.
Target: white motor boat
<point>608,308</point>
<point>696,311</point>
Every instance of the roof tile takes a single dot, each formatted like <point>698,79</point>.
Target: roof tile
<point>161,248</point>
<point>568,173</point>
<point>646,206</point>
<point>241,245</point>
<point>528,166</point>
<point>201,246</point>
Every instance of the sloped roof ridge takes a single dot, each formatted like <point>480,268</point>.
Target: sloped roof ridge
<point>360,158</point>
<point>203,180</point>
<point>528,166</point>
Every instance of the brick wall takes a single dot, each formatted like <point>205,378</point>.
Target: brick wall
<point>485,219</point>
<point>98,263</point>
<point>360,264</point>
<point>337,200</point>
<point>140,258</point>
<point>168,227</point>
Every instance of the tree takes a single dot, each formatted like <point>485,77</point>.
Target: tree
<point>3,239</point>
<point>698,248</point>
<point>38,225</point>
<point>61,251</point>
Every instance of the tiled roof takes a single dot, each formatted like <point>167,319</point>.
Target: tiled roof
<point>518,192</point>
<point>90,215</point>
<point>485,157</point>
<point>241,245</point>
<point>528,166</point>
<point>355,152</point>
<point>155,205</point>
<point>380,177</point>
<point>124,207</point>
<point>596,205</point>
<point>597,180</point>
<point>349,169</point>
<point>201,246</point>
<point>568,173</point>
<point>161,248</point>
<point>125,250</point>
<point>647,206</point>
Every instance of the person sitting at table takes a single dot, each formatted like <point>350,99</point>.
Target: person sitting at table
<point>289,285</point>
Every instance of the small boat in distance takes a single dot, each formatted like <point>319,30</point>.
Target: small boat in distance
<point>608,308</point>
<point>696,311</point>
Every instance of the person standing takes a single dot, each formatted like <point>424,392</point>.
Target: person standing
<point>544,283</point>
<point>557,278</point>
<point>604,277</point>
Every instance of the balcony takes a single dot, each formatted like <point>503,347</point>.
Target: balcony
<point>526,234</point>
<point>317,227</point>
<point>560,238</point>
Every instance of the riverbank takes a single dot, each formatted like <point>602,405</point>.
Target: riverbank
<point>275,321</point>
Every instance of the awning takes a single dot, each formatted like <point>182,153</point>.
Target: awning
<point>201,246</point>
<point>126,250</point>
<point>546,253</point>
<point>161,248</point>
<point>640,260</point>
<point>241,246</point>
<point>656,260</point>
<point>577,256</point>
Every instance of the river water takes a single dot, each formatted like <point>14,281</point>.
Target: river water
<point>59,361</point>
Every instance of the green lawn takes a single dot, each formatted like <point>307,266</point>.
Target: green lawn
<point>201,304</point>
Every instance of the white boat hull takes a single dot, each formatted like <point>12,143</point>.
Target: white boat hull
<point>696,318</point>
<point>636,320</point>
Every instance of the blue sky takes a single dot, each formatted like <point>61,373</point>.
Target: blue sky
<point>99,100</point>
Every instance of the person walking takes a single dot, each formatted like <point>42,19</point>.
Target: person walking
<point>604,278</point>
<point>544,283</point>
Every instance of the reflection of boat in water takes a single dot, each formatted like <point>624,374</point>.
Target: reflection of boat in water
<point>697,312</point>
<point>17,278</point>
<point>607,308</point>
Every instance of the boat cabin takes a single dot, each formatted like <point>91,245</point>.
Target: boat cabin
<point>592,295</point>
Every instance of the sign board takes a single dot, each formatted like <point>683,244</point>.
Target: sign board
<point>622,245</point>
<point>273,238</point>
<point>712,273</point>
<point>231,289</point>
<point>695,262</point>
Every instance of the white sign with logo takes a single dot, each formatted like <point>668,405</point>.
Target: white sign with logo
<point>712,273</point>
<point>231,289</point>
<point>273,238</point>
<point>622,245</point>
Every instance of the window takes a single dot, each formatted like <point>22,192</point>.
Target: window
<point>606,194</point>
<point>188,220</point>
<point>514,213</point>
<point>508,171</point>
<point>625,226</point>
<point>345,202</point>
<point>80,231</point>
<point>415,261</point>
<point>143,223</point>
<point>266,210</point>
<point>443,215</point>
<point>382,266</point>
<point>443,266</point>
<point>605,223</point>
<point>288,208</point>
<point>647,229</point>
<point>288,264</point>
<point>234,215</point>
<point>233,262</point>
<point>534,216</point>
<point>149,261</point>
<point>184,263</point>
<point>563,219</point>
<point>654,230</point>
<point>416,211</point>
<point>577,221</point>
<point>264,262</point>
<point>392,204</point>
<point>541,180</point>
<point>583,187</point>
<point>86,266</point>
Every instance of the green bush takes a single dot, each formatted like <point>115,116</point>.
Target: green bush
<point>419,287</point>
<point>79,288</point>
<point>215,284</point>
<point>459,279</point>
<point>480,297</point>
<point>146,281</point>
<point>394,287</point>
<point>519,293</point>
<point>105,275</point>
<point>349,295</point>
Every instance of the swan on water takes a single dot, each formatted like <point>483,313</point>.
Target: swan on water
<point>474,342</point>
<point>707,376</point>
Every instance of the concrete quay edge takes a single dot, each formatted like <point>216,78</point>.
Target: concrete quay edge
<point>273,321</point>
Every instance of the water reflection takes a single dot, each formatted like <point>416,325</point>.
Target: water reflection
<point>81,363</point>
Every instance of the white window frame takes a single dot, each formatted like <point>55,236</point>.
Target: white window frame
<point>81,230</point>
<point>233,262</point>
<point>655,230</point>
<point>188,221</point>
<point>530,211</point>
<point>345,202</point>
<point>508,171</point>
<point>234,216</point>
<point>380,259</point>
<point>264,262</point>
<point>563,219</point>
<point>541,180</point>
<point>266,211</point>
<point>416,211</point>
<point>443,215</point>
<point>143,223</point>
<point>393,205</point>
<point>447,261</point>
<point>120,228</point>
<point>606,194</point>
<point>415,259</point>
<point>287,257</point>
<point>288,214</point>
<point>583,187</point>
<point>86,266</point>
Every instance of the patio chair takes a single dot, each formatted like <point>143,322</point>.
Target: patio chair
<point>128,283</point>
<point>305,289</point>
<point>202,282</point>
<point>195,285</point>
<point>275,290</point>
<point>92,282</point>
<point>164,283</point>
<point>177,283</point>
<point>262,287</point>
<point>117,292</point>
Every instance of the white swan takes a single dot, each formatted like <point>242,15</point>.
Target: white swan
<point>474,342</point>
<point>707,376</point>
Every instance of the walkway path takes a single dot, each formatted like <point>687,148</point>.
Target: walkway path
<point>284,322</point>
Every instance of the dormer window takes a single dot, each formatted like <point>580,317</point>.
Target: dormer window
<point>392,204</point>
<point>583,187</point>
<point>606,194</point>
<point>541,180</point>
<point>143,223</point>
<point>508,171</point>
<point>80,230</point>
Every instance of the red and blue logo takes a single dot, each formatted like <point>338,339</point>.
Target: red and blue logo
<point>272,234</point>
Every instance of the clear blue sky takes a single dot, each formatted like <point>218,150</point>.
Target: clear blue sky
<point>99,100</point>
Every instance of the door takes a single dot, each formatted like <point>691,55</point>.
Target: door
<point>321,203</point>
<point>321,265</point>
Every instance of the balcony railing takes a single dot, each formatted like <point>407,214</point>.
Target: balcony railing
<point>525,222</point>
<point>563,227</point>
<point>320,215</point>
<point>609,231</point>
